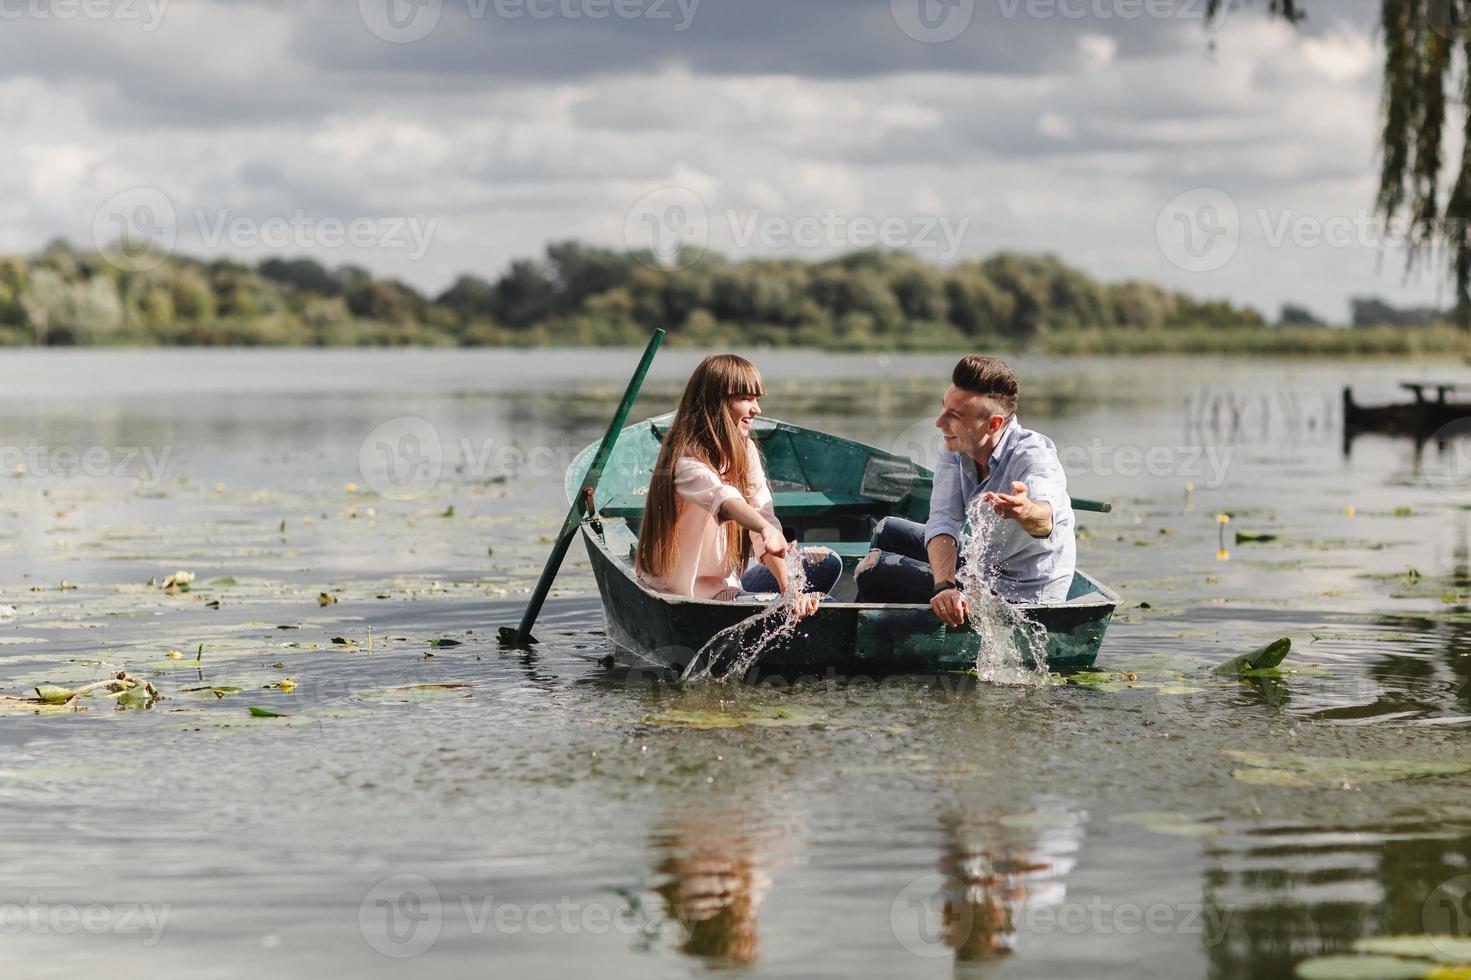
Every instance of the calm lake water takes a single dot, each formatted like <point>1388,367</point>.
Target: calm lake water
<point>463,811</point>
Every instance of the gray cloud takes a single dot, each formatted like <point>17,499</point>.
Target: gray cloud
<point>1047,130</point>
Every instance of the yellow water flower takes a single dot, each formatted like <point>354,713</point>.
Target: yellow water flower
<point>1350,510</point>
<point>1223,555</point>
<point>1223,518</point>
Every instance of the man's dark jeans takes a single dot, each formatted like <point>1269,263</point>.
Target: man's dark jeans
<point>900,572</point>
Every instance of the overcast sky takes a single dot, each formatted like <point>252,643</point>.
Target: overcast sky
<point>451,136</point>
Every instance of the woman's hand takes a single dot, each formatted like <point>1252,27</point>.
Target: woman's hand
<point>807,603</point>
<point>773,541</point>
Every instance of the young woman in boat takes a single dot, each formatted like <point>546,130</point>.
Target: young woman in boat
<point>709,509</point>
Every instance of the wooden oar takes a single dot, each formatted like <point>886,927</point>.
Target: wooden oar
<point>581,502</point>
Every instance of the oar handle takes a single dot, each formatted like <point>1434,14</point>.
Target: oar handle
<point>521,635</point>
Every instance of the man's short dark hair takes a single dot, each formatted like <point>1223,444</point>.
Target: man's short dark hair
<point>990,377</point>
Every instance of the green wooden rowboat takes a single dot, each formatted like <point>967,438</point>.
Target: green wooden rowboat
<point>828,491</point>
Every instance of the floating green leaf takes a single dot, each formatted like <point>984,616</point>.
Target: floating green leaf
<point>1308,770</point>
<point>1442,948</point>
<point>1361,968</point>
<point>263,713</point>
<point>1268,656</point>
<point>218,690</point>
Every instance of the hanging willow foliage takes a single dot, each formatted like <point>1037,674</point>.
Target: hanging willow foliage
<point>1420,42</point>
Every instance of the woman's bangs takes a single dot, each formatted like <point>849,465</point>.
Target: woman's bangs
<point>747,385</point>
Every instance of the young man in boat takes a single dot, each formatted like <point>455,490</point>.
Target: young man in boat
<point>1016,471</point>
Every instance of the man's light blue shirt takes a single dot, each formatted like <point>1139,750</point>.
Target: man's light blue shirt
<point>1028,569</point>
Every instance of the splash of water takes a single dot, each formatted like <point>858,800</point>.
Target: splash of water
<point>1013,648</point>
<point>733,651</point>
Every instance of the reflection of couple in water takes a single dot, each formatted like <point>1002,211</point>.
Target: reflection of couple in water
<point>713,878</point>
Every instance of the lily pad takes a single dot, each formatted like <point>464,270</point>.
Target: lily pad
<point>1442,948</point>
<point>1268,656</point>
<point>415,692</point>
<point>1361,968</point>
<point>264,713</point>
<point>1307,770</point>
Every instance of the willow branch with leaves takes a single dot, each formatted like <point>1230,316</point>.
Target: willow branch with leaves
<point>1421,40</point>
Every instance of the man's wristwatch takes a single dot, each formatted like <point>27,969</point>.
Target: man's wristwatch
<point>944,586</point>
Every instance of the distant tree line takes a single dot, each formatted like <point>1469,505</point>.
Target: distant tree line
<point>578,294</point>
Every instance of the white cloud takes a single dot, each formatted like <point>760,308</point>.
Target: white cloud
<point>1047,136</point>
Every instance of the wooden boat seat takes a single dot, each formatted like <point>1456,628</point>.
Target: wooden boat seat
<point>789,503</point>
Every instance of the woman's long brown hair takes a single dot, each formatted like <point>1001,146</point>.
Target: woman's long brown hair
<point>704,430</point>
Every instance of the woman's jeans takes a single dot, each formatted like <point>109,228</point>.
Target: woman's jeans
<point>823,568</point>
<point>897,568</point>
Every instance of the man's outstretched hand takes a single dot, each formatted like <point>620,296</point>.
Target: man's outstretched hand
<point>1035,516</point>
